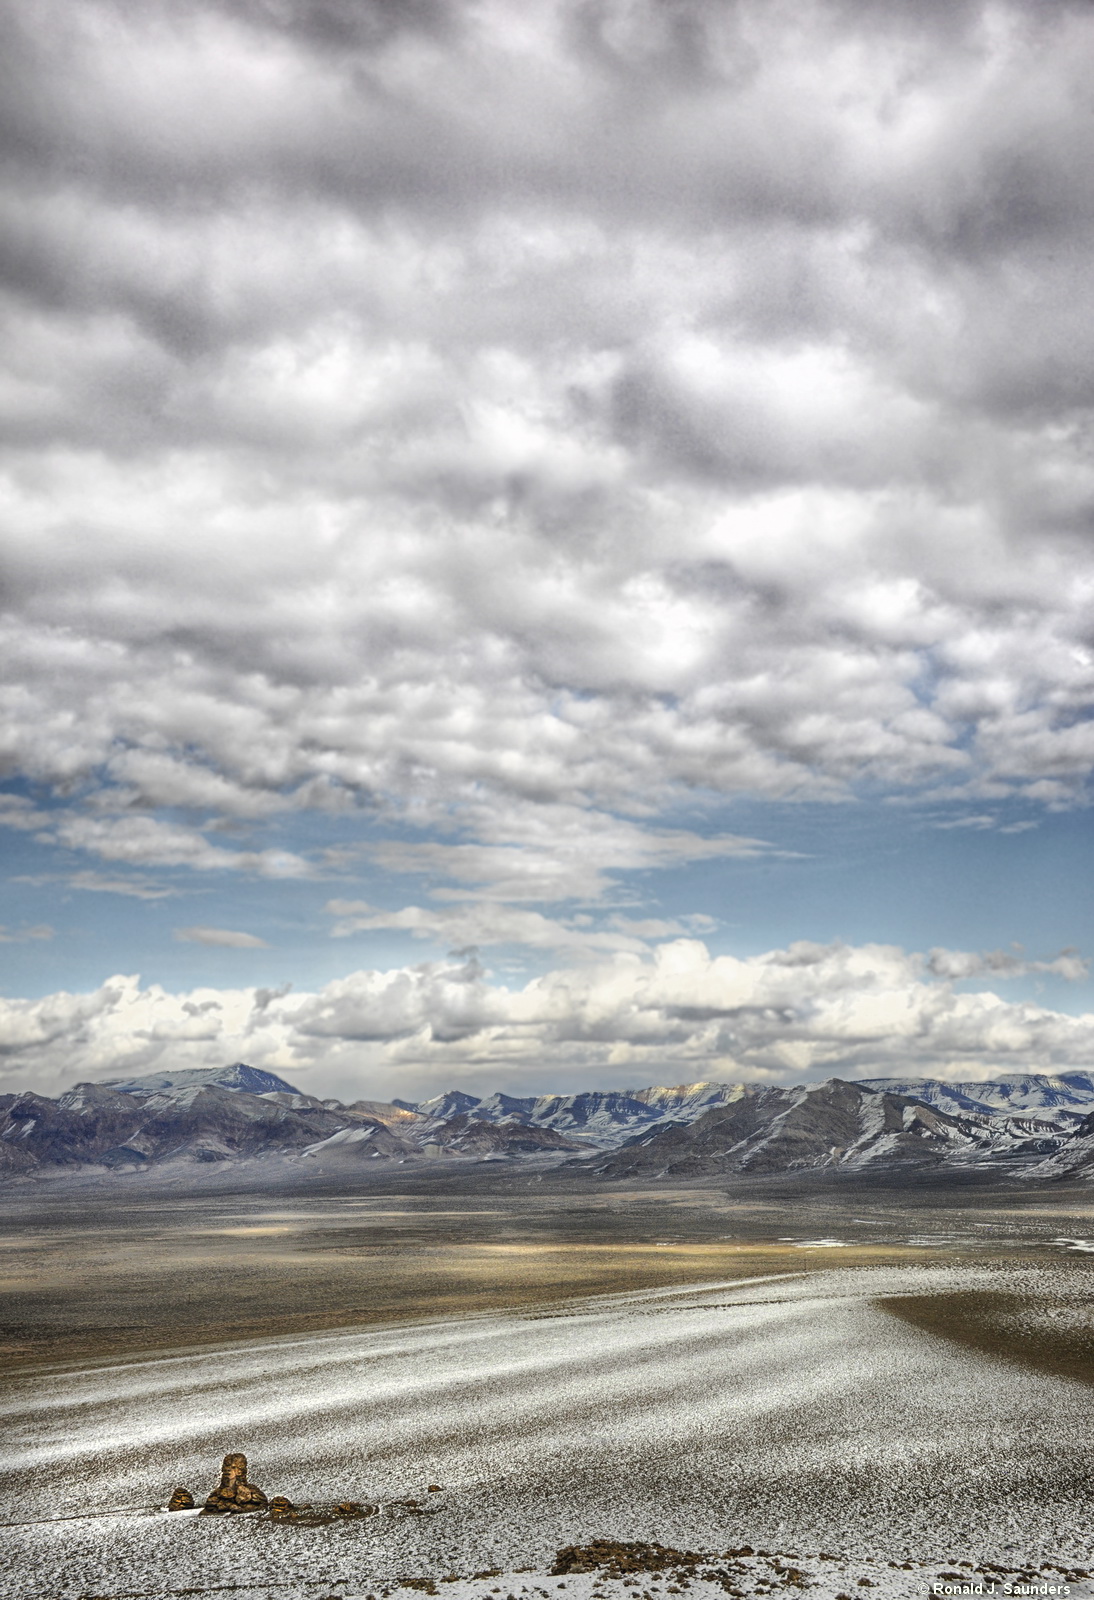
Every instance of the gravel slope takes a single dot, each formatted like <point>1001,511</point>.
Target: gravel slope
<point>789,1414</point>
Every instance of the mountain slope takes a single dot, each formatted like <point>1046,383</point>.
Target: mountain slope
<point>83,1125</point>
<point>689,1099</point>
<point>834,1124</point>
<point>389,1112</point>
<point>604,1117</point>
<point>1064,1098</point>
<point>465,1135</point>
<point>96,1124</point>
<point>1072,1156</point>
<point>364,1140</point>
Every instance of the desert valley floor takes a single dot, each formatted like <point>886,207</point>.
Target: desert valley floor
<point>827,1389</point>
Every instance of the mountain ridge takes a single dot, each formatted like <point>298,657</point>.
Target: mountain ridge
<point>1041,1125</point>
<point>838,1125</point>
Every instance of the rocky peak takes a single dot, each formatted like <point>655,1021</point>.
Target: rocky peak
<point>239,1076</point>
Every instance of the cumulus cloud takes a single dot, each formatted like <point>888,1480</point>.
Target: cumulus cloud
<point>578,409</point>
<point>959,964</point>
<point>678,1012</point>
<point>227,938</point>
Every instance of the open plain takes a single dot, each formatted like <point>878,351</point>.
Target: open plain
<point>857,1382</point>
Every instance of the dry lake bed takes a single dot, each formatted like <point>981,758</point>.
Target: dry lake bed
<point>759,1391</point>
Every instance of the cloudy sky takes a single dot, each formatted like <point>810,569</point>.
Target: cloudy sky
<point>546,544</point>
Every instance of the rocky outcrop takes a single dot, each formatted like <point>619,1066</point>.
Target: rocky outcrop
<point>621,1558</point>
<point>309,1516</point>
<point>234,1493</point>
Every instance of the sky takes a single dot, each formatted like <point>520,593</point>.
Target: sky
<point>546,545</point>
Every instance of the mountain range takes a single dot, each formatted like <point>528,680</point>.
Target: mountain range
<point>1038,1126</point>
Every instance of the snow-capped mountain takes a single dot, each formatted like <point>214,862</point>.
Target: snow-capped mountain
<point>1064,1098</point>
<point>251,1080</point>
<point>604,1118</point>
<point>839,1125</point>
<point>686,1099</point>
<point>1041,1127</point>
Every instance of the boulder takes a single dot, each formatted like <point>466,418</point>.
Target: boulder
<point>234,1493</point>
<point>181,1500</point>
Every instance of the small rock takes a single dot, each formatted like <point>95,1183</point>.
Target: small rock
<point>181,1500</point>
<point>234,1492</point>
<point>281,1506</point>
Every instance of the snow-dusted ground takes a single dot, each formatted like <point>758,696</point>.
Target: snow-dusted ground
<point>788,1414</point>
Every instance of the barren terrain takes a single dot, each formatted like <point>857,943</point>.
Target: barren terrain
<point>858,1384</point>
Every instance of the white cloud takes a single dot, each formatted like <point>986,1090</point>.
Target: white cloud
<point>145,841</point>
<point>18,812</point>
<point>803,1012</point>
<point>39,930</point>
<point>134,886</point>
<point>228,938</point>
<point>486,925</point>
<point>552,852</point>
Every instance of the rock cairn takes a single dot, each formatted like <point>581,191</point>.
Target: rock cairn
<point>234,1492</point>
